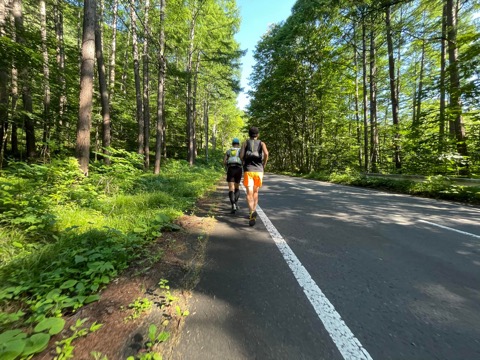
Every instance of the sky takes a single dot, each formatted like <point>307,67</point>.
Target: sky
<point>257,16</point>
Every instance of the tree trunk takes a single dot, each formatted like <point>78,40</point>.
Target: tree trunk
<point>205,120</point>
<point>357,111</point>
<point>443,71</point>
<point>3,89</point>
<point>189,95</point>
<point>194,106</point>
<point>114,51</point>
<point>86,86</point>
<point>123,86</point>
<point>162,69</point>
<point>61,71</point>
<point>136,71</point>
<point>14,92</point>
<point>393,89</point>
<point>46,77</point>
<point>419,94</point>
<point>373,105</point>
<point>103,88</point>
<point>365,121</point>
<point>455,90</point>
<point>146,80</point>
<point>25,83</point>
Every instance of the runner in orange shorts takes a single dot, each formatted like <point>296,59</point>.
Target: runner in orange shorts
<point>254,155</point>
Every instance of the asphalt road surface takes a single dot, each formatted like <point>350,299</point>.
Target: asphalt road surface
<point>336,272</point>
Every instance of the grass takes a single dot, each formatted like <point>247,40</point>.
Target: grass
<point>436,187</point>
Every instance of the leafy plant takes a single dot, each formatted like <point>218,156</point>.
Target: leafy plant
<point>169,298</point>
<point>139,306</point>
<point>64,349</point>
<point>15,343</point>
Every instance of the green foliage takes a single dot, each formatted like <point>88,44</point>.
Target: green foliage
<point>307,90</point>
<point>154,337</point>
<point>139,306</point>
<point>15,343</point>
<point>64,348</point>
<point>168,297</point>
<point>437,187</point>
<point>102,223</point>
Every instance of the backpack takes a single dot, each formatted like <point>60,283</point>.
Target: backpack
<point>253,152</point>
<point>234,157</point>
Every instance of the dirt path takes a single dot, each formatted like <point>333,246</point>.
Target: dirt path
<point>176,257</point>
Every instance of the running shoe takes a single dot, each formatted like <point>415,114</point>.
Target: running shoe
<point>253,218</point>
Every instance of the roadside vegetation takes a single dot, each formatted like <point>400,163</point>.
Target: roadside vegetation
<point>436,187</point>
<point>64,236</point>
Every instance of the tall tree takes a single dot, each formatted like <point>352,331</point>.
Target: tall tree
<point>146,88</point>
<point>393,88</point>
<point>25,83</point>
<point>113,52</point>
<point>102,84</point>
<point>365,92</point>
<point>373,103</point>
<point>162,69</point>
<point>443,61</point>
<point>455,92</point>
<point>136,71</point>
<point>60,52</point>
<point>14,93</point>
<point>86,86</point>
<point>189,91</point>
<point>46,76</point>
<point>3,87</point>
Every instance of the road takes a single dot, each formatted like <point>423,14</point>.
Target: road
<point>336,272</point>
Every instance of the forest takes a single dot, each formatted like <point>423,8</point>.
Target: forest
<point>154,78</point>
<point>371,86</point>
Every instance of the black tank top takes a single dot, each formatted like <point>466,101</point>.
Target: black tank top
<point>253,163</point>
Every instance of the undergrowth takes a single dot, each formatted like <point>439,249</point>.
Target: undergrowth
<point>436,187</point>
<point>63,237</point>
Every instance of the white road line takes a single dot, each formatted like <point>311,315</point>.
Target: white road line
<point>447,228</point>
<point>346,342</point>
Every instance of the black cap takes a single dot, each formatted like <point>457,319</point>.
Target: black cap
<point>253,131</point>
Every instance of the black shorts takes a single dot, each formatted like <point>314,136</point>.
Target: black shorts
<point>234,174</point>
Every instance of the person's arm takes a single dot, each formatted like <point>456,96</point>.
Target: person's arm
<point>242,152</point>
<point>225,158</point>
<point>265,154</point>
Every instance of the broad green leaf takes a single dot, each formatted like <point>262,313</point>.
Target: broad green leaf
<point>12,334</point>
<point>94,327</point>
<point>79,259</point>
<point>152,332</point>
<point>163,336</point>
<point>36,343</point>
<point>12,349</point>
<point>91,298</point>
<point>68,284</point>
<point>53,325</point>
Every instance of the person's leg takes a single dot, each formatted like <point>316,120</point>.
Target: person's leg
<point>237,192</point>
<point>231,195</point>
<point>256,187</point>
<point>238,178</point>
<point>250,200</point>
<point>255,197</point>
<point>231,192</point>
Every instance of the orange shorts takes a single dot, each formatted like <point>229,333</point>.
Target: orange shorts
<point>252,178</point>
